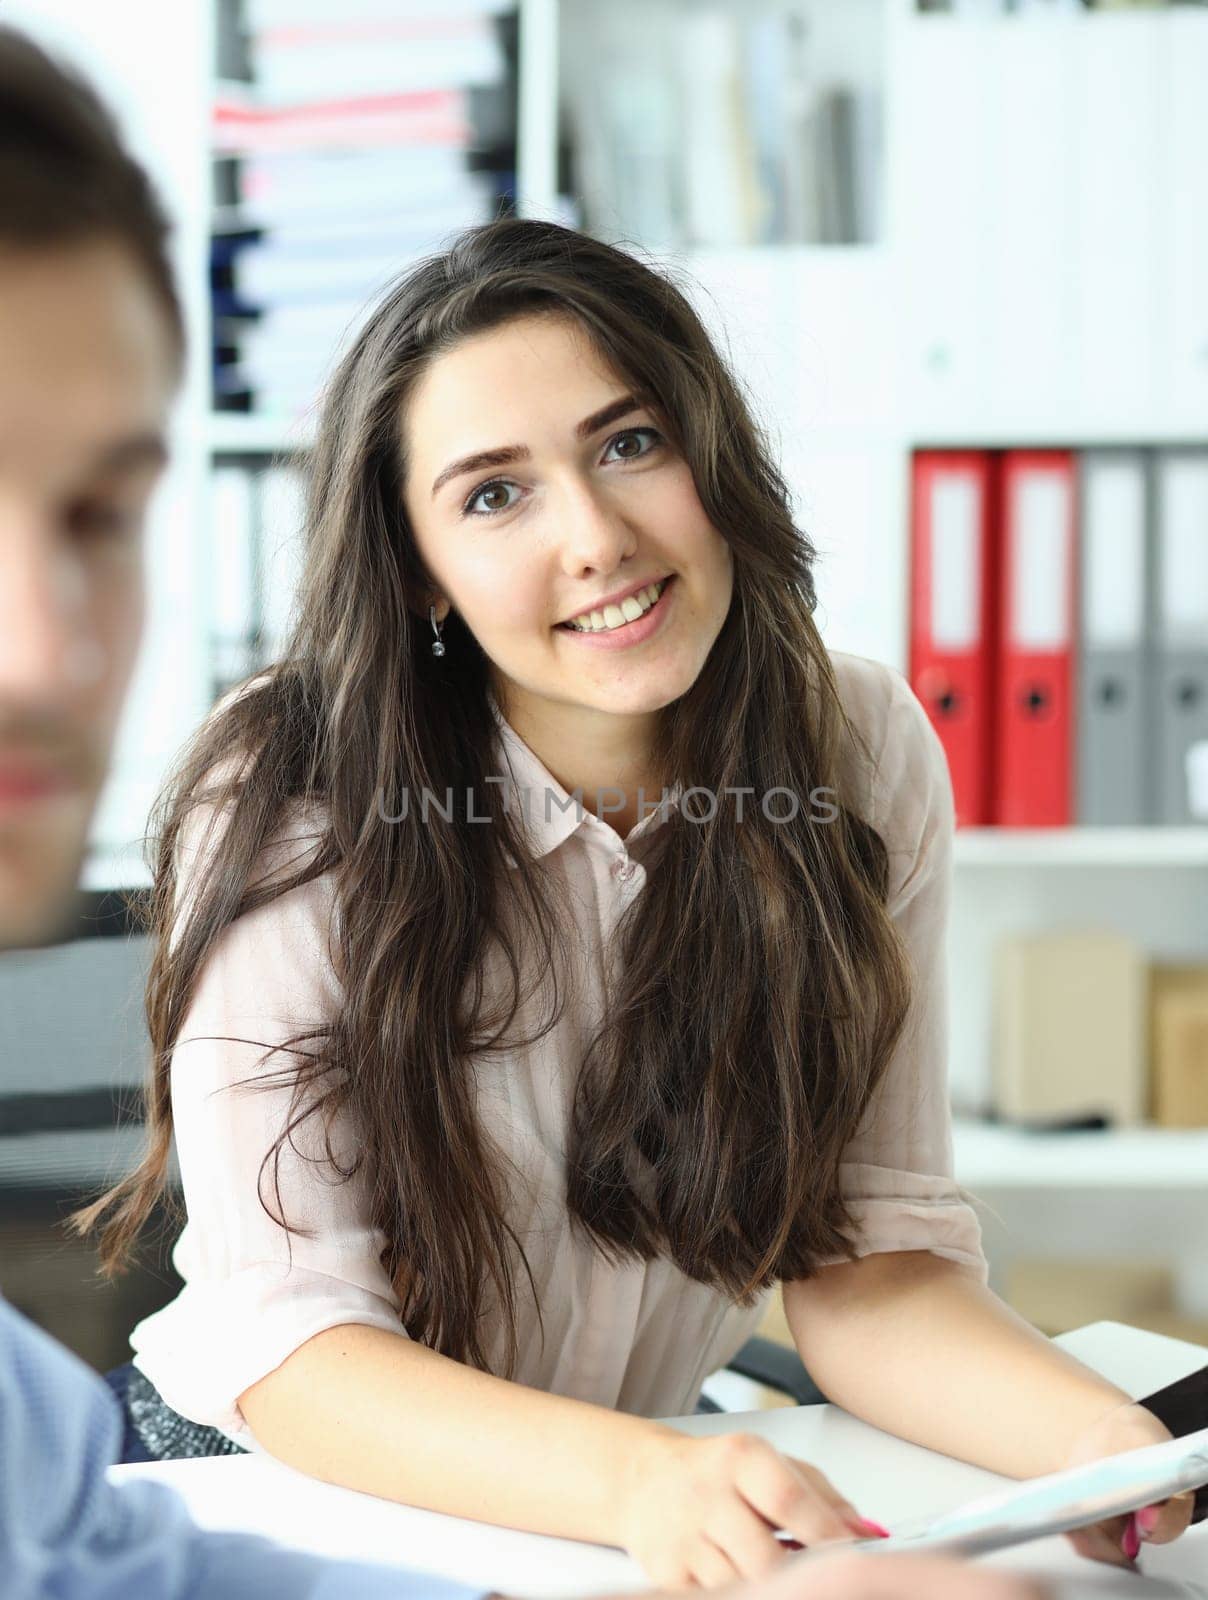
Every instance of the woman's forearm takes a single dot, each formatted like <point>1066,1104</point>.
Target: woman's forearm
<point>918,1346</point>
<point>370,1410</point>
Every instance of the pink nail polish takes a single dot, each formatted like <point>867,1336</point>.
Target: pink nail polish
<point>875,1528</point>
<point>1131,1542</point>
<point>1148,1519</point>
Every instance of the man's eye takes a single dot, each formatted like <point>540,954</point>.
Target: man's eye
<point>633,444</point>
<point>99,520</point>
<point>491,498</point>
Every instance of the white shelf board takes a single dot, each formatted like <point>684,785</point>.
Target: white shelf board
<point>1081,846</point>
<point>989,1156</point>
<point>236,432</point>
<point>1008,24</point>
<point>1082,434</point>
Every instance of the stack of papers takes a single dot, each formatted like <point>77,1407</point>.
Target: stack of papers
<point>353,142</point>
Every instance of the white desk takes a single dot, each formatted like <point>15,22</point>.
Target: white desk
<point>889,1480</point>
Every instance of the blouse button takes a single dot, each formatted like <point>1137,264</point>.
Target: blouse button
<point>624,870</point>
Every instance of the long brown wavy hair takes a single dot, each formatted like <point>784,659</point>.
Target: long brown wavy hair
<point>759,986</point>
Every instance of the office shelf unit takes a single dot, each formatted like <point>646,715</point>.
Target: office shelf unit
<point>1039,281</point>
<point>1128,1195</point>
<point>993,1157</point>
<point>1081,847</point>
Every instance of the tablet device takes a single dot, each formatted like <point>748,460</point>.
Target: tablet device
<point>1060,1502</point>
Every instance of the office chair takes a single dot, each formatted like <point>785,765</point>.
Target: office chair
<point>775,1366</point>
<point>72,1059</point>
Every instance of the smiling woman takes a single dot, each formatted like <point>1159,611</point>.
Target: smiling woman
<point>558,1100</point>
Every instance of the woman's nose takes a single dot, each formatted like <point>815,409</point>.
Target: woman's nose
<point>596,531</point>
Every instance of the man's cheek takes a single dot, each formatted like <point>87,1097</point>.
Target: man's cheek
<point>121,619</point>
<point>40,861</point>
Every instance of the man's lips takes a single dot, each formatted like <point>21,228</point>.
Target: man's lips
<point>21,782</point>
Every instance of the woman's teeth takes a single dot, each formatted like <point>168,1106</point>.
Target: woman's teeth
<point>617,616</point>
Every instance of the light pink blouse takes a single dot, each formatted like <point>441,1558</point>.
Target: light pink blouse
<point>637,1337</point>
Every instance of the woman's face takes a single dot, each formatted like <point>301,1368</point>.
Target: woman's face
<point>537,488</point>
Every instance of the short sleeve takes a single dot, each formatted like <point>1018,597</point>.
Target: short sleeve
<point>254,1293</point>
<point>897,1172</point>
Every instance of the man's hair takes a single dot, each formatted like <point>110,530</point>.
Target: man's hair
<point>65,174</point>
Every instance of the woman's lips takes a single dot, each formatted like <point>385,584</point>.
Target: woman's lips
<point>632,633</point>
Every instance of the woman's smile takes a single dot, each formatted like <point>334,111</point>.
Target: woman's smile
<point>621,635</point>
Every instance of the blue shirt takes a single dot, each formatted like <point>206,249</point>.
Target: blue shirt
<point>67,1531</point>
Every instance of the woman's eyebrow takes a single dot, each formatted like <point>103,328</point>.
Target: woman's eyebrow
<point>505,455</point>
<point>613,412</point>
<point>480,459</point>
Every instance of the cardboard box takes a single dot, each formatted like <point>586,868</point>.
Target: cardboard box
<point>1070,1015</point>
<point>1178,1046</point>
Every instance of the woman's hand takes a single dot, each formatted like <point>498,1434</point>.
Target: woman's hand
<point>704,1512</point>
<point>1117,1541</point>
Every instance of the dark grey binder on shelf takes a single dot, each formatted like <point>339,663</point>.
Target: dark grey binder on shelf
<point>1180,632</point>
<point>1114,761</point>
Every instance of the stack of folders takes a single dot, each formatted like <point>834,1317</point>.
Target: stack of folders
<point>258,544</point>
<point>718,125</point>
<point>1059,632</point>
<point>354,142</point>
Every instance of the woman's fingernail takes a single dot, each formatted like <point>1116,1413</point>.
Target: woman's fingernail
<point>875,1528</point>
<point>1148,1520</point>
<point>1131,1542</point>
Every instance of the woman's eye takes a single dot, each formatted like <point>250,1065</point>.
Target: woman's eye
<point>492,497</point>
<point>631,445</point>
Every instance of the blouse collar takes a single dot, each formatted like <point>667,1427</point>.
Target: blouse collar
<point>549,813</point>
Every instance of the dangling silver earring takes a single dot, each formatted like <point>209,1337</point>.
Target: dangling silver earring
<point>438,648</point>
